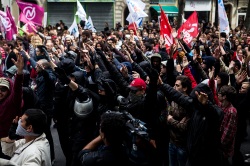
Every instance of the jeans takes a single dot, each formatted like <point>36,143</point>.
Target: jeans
<point>177,155</point>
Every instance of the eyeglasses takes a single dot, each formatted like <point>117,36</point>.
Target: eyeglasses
<point>3,89</point>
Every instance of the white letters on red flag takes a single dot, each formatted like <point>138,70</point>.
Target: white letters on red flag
<point>189,28</point>
<point>166,30</point>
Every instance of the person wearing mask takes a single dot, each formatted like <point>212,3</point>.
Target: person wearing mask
<point>33,149</point>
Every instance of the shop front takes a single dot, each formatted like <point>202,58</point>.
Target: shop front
<point>100,11</point>
<point>202,7</point>
<point>171,11</point>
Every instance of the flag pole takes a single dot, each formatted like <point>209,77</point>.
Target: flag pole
<point>218,23</point>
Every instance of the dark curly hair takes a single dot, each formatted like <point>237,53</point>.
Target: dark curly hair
<point>113,126</point>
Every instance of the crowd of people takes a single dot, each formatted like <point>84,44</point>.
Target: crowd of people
<point>119,97</point>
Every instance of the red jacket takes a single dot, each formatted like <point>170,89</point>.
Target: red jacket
<point>10,107</point>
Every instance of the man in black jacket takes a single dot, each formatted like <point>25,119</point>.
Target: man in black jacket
<point>112,153</point>
<point>45,81</point>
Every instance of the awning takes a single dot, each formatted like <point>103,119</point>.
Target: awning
<point>167,9</point>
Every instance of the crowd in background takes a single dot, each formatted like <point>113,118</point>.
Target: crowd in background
<point>192,97</point>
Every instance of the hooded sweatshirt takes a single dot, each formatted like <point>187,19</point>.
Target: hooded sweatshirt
<point>11,106</point>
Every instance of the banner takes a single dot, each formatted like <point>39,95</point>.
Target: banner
<point>31,12</point>
<point>189,29</point>
<point>166,30</point>
<point>81,12</point>
<point>223,21</point>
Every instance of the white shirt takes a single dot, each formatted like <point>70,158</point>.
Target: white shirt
<point>33,153</point>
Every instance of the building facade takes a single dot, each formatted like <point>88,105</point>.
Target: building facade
<point>113,11</point>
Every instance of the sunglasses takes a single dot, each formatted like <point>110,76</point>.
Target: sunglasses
<point>3,89</point>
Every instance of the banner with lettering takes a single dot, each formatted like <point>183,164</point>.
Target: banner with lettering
<point>31,12</point>
<point>166,30</point>
<point>189,29</point>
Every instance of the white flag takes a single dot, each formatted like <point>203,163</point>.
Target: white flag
<point>136,8</point>
<point>73,30</point>
<point>89,25</point>
<point>80,11</point>
<point>132,19</point>
<point>224,24</point>
<point>5,23</point>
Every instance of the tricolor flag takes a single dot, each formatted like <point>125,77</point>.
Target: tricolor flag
<point>31,12</point>
<point>81,12</point>
<point>166,30</point>
<point>223,21</point>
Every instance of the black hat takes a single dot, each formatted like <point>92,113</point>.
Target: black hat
<point>68,65</point>
<point>108,85</point>
<point>209,61</point>
<point>224,78</point>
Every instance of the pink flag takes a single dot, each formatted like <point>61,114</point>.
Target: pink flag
<point>7,25</point>
<point>13,24</point>
<point>189,29</point>
<point>31,12</point>
<point>29,27</point>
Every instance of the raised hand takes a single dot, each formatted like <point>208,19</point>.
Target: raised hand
<point>60,73</point>
<point>135,74</point>
<point>242,76</point>
<point>19,64</point>
<point>202,97</point>
<point>211,73</point>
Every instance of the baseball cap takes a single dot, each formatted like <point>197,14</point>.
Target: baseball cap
<point>164,63</point>
<point>4,82</point>
<point>137,84</point>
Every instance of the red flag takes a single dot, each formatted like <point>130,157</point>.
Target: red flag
<point>166,30</point>
<point>189,28</point>
<point>132,26</point>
